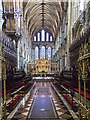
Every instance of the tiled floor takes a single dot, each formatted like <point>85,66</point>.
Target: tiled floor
<point>43,103</point>
<point>61,109</point>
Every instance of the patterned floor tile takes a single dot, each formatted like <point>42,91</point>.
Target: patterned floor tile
<point>25,113</point>
<point>29,105</point>
<point>19,116</point>
<point>60,106</point>
<point>62,110</point>
<point>26,102</point>
<point>56,99</point>
<point>59,113</point>
<point>22,110</point>
<point>31,99</point>
<point>30,102</point>
<point>57,108</point>
<point>27,108</point>
<point>65,116</point>
<point>56,104</point>
<point>68,113</point>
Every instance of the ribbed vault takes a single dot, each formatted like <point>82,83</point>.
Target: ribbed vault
<point>43,14</point>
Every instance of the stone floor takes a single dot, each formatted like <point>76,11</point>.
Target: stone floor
<point>43,103</point>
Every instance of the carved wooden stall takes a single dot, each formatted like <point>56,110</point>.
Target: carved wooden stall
<point>84,80</point>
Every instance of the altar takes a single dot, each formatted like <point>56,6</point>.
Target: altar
<point>42,67</point>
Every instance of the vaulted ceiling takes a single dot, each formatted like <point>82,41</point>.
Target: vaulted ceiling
<point>43,14</point>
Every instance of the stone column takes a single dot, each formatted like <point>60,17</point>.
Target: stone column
<point>33,54</point>
<point>69,40</point>
<point>52,50</point>
<point>60,64</point>
<point>46,53</point>
<point>17,46</point>
<point>1,36</point>
<point>51,53</point>
<point>0,74</point>
<point>1,23</point>
<point>38,53</point>
<point>66,60</point>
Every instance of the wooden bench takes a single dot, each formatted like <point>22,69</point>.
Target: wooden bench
<point>82,93</point>
<point>7,91</point>
<point>69,101</point>
<point>14,103</point>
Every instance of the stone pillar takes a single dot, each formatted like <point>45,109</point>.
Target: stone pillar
<point>66,60</point>
<point>51,53</point>
<point>20,55</point>
<point>38,52</point>
<point>1,102</point>
<point>33,54</point>
<point>52,50</point>
<point>1,23</point>
<point>46,53</point>
<point>1,36</point>
<point>60,64</point>
<point>69,40</point>
<point>17,46</point>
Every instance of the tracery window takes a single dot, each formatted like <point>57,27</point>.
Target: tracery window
<point>36,52</point>
<point>43,52</point>
<point>34,38</point>
<point>81,5</point>
<point>43,35</point>
<point>49,52</point>
<point>47,37</point>
<point>50,38</point>
<point>38,36</point>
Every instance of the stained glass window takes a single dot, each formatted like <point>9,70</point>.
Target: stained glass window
<point>81,5</point>
<point>36,52</point>
<point>50,38</point>
<point>47,37</point>
<point>34,38</point>
<point>49,53</point>
<point>42,52</point>
<point>38,36</point>
<point>43,35</point>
